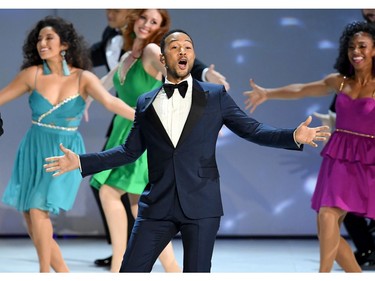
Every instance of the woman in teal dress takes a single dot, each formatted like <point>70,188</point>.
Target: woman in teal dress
<point>55,76</point>
<point>138,72</point>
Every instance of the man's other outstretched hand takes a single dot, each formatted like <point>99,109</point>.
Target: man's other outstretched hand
<point>307,135</point>
<point>62,164</point>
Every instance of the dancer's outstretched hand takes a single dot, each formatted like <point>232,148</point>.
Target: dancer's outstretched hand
<point>255,97</point>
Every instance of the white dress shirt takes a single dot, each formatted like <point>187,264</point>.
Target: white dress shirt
<point>113,50</point>
<point>173,112</point>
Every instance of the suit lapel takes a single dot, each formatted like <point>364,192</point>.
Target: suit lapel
<point>153,117</point>
<point>198,104</point>
<point>155,121</point>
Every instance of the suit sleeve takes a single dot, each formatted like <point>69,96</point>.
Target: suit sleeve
<point>97,50</point>
<point>332,107</point>
<point>197,69</point>
<point>250,129</point>
<point>126,153</point>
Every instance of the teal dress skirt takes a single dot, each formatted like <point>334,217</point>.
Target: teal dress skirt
<point>30,186</point>
<point>131,178</point>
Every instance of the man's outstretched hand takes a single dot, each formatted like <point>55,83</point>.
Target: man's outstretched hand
<point>62,164</point>
<point>306,135</point>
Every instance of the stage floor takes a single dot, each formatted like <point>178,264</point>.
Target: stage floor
<point>17,255</point>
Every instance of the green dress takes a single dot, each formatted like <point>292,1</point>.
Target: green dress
<point>133,177</point>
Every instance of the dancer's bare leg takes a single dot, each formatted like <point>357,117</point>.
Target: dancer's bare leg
<point>345,256</point>
<point>57,261</point>
<point>41,232</point>
<point>329,236</point>
<point>133,201</point>
<point>168,259</point>
<point>116,217</point>
<point>332,245</point>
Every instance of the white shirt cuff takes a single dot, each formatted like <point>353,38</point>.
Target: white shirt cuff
<point>79,164</point>
<point>294,137</point>
<point>204,74</point>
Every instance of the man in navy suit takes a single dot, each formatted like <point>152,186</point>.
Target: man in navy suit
<point>108,52</point>
<point>180,131</point>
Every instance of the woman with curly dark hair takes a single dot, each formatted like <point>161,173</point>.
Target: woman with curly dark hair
<point>55,76</point>
<point>347,174</point>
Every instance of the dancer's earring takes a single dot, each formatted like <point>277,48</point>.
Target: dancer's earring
<point>46,70</point>
<point>64,64</point>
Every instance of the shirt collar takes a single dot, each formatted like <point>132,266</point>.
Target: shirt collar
<point>188,79</point>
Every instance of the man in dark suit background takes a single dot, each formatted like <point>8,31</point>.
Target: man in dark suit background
<point>1,126</point>
<point>179,128</point>
<point>108,52</point>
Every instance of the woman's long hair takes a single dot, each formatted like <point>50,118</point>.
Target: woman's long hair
<point>77,54</point>
<point>133,16</point>
<point>343,65</point>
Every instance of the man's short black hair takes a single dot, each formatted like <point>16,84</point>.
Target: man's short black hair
<point>162,42</point>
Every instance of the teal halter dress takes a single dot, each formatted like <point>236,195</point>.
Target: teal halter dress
<point>30,186</point>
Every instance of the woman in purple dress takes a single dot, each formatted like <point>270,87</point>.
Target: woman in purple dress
<point>346,180</point>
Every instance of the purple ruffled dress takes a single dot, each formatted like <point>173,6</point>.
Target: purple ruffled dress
<point>347,175</point>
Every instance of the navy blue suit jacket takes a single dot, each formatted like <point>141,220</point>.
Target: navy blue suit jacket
<point>190,168</point>
<point>98,50</point>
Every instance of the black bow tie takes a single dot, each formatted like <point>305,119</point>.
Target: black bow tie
<point>182,88</point>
